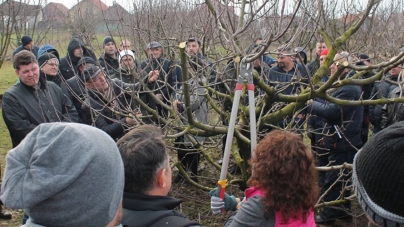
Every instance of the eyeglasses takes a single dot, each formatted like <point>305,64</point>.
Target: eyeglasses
<point>55,65</point>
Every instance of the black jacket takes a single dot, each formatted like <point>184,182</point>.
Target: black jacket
<point>140,210</point>
<point>68,64</point>
<point>393,112</point>
<point>130,76</point>
<point>110,65</point>
<point>101,114</point>
<point>345,120</point>
<point>288,83</point>
<point>314,65</point>
<point>78,94</point>
<point>25,107</point>
<point>168,75</point>
<point>381,89</point>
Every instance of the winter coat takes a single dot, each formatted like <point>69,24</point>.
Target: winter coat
<point>288,83</point>
<point>25,107</point>
<point>252,213</point>
<point>130,76</point>
<point>20,48</point>
<point>381,89</point>
<point>140,210</point>
<point>393,112</point>
<point>314,65</point>
<point>198,104</point>
<point>342,128</point>
<point>68,64</point>
<point>103,117</point>
<point>48,48</point>
<point>110,65</point>
<point>169,73</point>
<point>78,94</point>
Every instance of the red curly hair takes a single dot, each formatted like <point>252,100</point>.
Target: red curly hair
<point>284,169</point>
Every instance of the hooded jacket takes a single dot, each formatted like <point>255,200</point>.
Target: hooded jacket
<point>48,48</point>
<point>68,64</point>
<point>25,107</point>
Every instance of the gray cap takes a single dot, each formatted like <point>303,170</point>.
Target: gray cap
<point>89,72</point>
<point>65,175</point>
<point>153,45</point>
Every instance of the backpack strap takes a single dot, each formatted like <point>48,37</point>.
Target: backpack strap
<point>173,220</point>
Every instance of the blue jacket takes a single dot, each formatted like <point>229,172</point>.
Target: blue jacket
<point>287,82</point>
<point>20,48</point>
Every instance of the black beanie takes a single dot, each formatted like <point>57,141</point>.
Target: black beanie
<point>378,176</point>
<point>45,57</point>
<point>108,39</point>
<point>25,40</point>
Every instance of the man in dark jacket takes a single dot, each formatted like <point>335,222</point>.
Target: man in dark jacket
<point>112,108</point>
<point>27,44</point>
<point>75,51</point>
<point>78,91</point>
<point>194,47</point>
<point>168,74</point>
<point>148,181</point>
<point>382,89</point>
<point>314,65</point>
<point>33,100</point>
<point>286,78</point>
<point>342,138</point>
<point>109,59</point>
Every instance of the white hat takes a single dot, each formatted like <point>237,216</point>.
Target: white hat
<point>124,53</point>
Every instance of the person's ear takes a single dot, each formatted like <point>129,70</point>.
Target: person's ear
<point>89,85</point>
<point>161,178</point>
<point>16,72</point>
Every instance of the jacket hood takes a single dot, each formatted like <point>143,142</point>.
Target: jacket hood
<point>48,48</point>
<point>73,44</point>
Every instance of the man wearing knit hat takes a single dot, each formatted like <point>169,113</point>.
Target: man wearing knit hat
<point>168,74</point>
<point>83,188</point>
<point>27,44</point>
<point>109,59</point>
<point>378,177</point>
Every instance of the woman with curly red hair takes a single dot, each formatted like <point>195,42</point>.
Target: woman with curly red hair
<point>283,186</point>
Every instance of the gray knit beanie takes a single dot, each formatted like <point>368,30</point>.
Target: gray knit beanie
<point>378,173</point>
<point>65,175</point>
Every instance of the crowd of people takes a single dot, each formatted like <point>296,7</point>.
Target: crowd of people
<point>50,110</point>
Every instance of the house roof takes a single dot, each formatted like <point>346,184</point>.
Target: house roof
<point>115,12</point>
<point>14,8</point>
<point>53,7</point>
<point>99,4</point>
